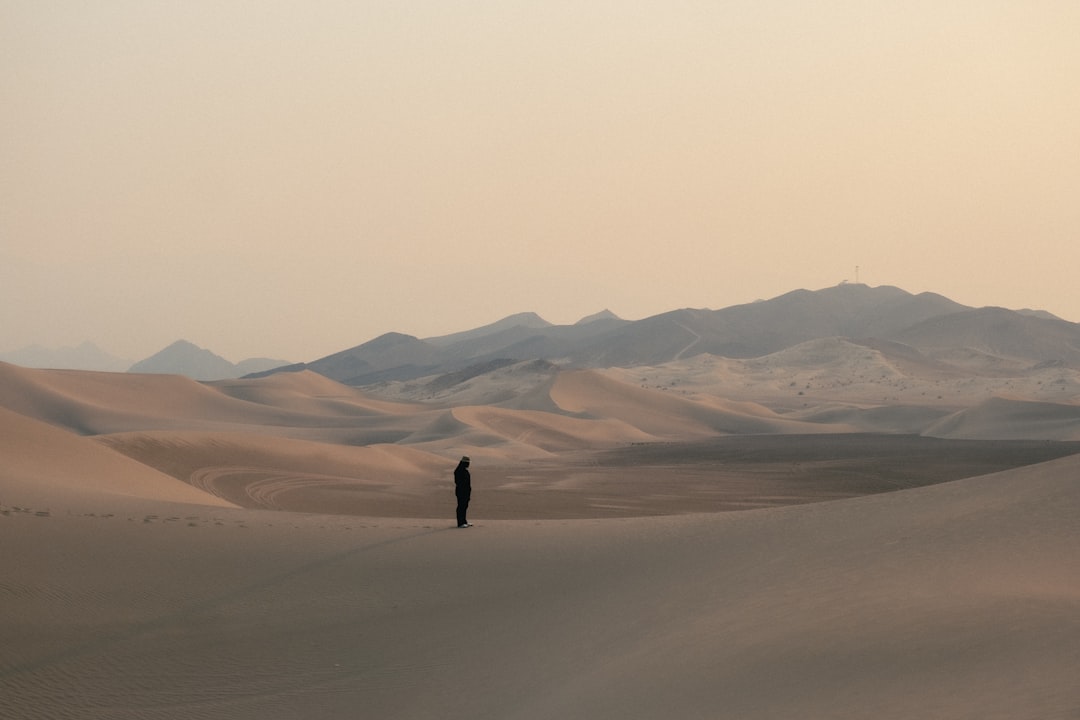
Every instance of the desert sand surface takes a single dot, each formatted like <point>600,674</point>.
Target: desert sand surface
<point>957,600</point>
<point>284,547</point>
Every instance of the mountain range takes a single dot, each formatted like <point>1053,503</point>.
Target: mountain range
<point>926,326</point>
<point>179,358</point>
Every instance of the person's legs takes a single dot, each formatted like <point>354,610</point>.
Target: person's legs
<point>462,508</point>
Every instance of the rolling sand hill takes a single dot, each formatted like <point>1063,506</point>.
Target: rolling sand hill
<point>302,442</point>
<point>45,467</point>
<point>92,403</point>
<point>283,547</point>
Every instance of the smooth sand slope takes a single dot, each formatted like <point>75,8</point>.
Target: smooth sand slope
<point>47,468</point>
<point>959,600</point>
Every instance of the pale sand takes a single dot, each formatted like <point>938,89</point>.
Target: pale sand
<point>46,467</point>
<point>959,600</point>
<point>135,588</point>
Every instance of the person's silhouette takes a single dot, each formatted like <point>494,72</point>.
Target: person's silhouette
<point>462,490</point>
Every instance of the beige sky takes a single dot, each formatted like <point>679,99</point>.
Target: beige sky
<point>287,179</point>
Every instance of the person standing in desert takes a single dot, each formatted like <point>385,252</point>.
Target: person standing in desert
<point>463,490</point>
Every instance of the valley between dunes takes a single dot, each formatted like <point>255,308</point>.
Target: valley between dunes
<point>284,547</point>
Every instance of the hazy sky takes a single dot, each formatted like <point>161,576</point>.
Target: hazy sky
<point>288,179</point>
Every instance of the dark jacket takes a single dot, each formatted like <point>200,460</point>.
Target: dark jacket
<point>462,480</point>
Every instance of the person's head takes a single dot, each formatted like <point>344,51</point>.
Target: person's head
<point>465,460</point>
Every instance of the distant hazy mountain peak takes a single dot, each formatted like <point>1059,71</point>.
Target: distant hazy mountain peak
<point>386,340</point>
<point>84,356</point>
<point>604,314</point>
<point>184,357</point>
<point>185,345</point>
<point>524,319</point>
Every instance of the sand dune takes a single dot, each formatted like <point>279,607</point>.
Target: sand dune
<point>870,374</point>
<point>92,403</point>
<point>1004,418</point>
<point>661,414</point>
<point>256,471</point>
<point>310,393</point>
<point>48,469</point>
<point>952,601</point>
<point>551,432</point>
<point>913,419</point>
<point>305,443</point>
<point>829,385</point>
